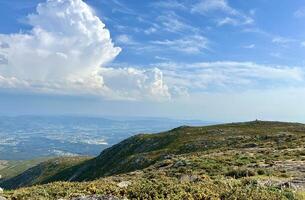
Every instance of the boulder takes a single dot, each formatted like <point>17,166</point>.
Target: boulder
<point>123,184</point>
<point>189,178</point>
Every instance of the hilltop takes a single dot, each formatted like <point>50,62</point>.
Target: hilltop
<point>252,160</point>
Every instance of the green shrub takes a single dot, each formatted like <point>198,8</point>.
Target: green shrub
<point>239,173</point>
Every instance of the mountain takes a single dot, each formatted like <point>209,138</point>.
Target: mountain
<point>252,160</point>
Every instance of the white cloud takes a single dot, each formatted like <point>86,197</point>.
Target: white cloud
<point>125,39</point>
<point>230,75</point>
<point>65,52</point>
<point>234,16</point>
<point>282,40</point>
<point>250,46</point>
<point>150,30</point>
<point>171,22</point>
<point>67,41</point>
<point>130,83</point>
<point>227,21</point>
<point>191,45</point>
<point>300,13</point>
<point>205,6</point>
<point>170,4</point>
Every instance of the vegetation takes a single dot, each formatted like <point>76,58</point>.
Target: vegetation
<point>11,168</point>
<point>253,160</point>
<point>41,172</point>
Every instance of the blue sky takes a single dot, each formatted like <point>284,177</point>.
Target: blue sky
<point>222,60</point>
<point>238,41</point>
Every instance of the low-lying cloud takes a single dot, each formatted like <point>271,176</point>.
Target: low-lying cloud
<point>230,76</point>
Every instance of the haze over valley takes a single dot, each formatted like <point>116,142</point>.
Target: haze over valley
<point>32,137</point>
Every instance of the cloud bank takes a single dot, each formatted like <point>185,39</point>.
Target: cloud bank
<point>65,52</point>
<point>231,76</point>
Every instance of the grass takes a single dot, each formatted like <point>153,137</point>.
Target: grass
<point>155,185</point>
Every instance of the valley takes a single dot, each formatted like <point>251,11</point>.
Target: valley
<point>35,137</point>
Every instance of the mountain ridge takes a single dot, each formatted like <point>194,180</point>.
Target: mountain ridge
<point>225,152</point>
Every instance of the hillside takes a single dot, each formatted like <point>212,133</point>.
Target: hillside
<point>253,160</point>
<point>38,173</point>
<point>9,168</point>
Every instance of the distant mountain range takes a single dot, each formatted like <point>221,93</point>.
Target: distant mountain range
<point>31,137</point>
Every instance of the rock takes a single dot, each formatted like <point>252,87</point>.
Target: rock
<point>123,184</point>
<point>250,145</point>
<point>1,190</point>
<point>287,185</point>
<point>168,156</point>
<point>180,163</point>
<point>96,197</point>
<point>2,198</point>
<point>266,183</point>
<point>165,164</point>
<point>141,160</point>
<point>136,173</point>
<point>189,178</point>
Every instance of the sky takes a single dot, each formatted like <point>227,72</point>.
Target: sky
<point>214,60</point>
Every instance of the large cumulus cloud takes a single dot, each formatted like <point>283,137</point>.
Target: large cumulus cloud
<point>65,52</point>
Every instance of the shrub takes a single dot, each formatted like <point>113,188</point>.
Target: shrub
<point>239,173</point>
<point>261,172</point>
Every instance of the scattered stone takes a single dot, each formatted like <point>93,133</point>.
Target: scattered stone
<point>124,184</point>
<point>2,198</point>
<point>96,197</point>
<point>299,182</point>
